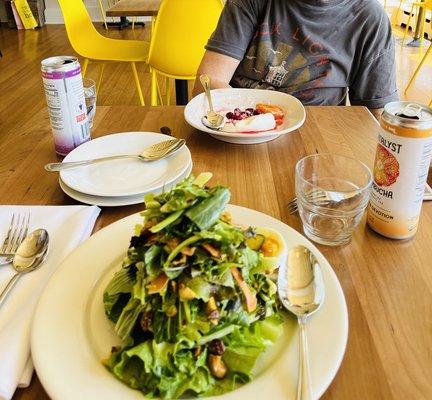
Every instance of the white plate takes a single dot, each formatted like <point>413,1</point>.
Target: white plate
<point>127,177</point>
<point>71,334</point>
<point>118,201</point>
<point>227,99</point>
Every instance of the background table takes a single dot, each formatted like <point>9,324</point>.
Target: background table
<point>134,8</point>
<point>387,283</point>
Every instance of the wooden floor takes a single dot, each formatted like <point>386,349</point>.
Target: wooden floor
<point>21,90</point>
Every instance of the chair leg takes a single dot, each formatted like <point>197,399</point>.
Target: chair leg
<point>422,34</point>
<point>407,25</point>
<point>137,83</point>
<point>99,81</point>
<point>418,69</point>
<point>159,92</point>
<point>153,89</point>
<point>168,91</point>
<point>84,67</point>
<point>102,11</point>
<point>397,13</point>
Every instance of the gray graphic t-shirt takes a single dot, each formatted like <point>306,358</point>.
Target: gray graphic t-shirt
<point>315,50</point>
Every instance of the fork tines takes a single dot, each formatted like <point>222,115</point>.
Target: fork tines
<point>314,195</point>
<point>17,231</point>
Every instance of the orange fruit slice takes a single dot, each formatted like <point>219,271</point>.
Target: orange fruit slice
<point>270,108</point>
<point>386,168</point>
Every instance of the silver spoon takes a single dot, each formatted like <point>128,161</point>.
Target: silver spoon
<point>211,119</point>
<point>30,255</point>
<point>301,291</point>
<point>154,152</point>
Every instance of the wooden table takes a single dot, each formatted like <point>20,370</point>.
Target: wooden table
<point>387,283</point>
<point>134,8</point>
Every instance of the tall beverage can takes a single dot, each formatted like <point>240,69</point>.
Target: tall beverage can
<point>66,103</point>
<point>401,168</point>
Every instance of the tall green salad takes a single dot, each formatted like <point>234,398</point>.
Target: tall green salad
<point>192,303</point>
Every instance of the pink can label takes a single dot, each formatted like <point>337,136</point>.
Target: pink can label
<point>67,108</point>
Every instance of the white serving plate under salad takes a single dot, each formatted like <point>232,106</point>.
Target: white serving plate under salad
<point>228,99</point>
<point>71,333</point>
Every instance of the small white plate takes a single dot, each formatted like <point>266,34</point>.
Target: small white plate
<point>126,177</point>
<point>118,201</point>
<point>71,333</point>
<point>225,100</point>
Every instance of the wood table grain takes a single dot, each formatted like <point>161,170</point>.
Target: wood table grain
<point>134,8</point>
<point>387,283</point>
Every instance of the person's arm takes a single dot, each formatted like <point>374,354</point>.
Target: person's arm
<point>373,83</point>
<point>219,67</point>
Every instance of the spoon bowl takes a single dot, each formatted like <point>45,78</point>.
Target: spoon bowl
<point>30,255</point>
<point>301,291</point>
<point>217,126</point>
<point>212,119</point>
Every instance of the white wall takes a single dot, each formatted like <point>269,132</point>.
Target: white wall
<point>53,14</point>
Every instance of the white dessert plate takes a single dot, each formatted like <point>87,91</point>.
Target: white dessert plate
<point>71,334</point>
<point>125,177</point>
<point>225,100</point>
<point>118,201</point>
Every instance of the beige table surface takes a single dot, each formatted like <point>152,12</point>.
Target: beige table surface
<point>387,284</point>
<point>134,8</point>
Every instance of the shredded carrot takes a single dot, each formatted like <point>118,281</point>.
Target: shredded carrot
<point>251,301</point>
<point>212,250</point>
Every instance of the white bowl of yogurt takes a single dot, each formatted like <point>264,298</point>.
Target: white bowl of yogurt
<point>257,129</point>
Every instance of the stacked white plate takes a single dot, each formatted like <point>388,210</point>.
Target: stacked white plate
<point>126,181</point>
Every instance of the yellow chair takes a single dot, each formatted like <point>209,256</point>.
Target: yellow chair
<point>180,33</point>
<point>429,51</point>
<point>102,11</point>
<point>91,45</point>
<point>426,5</point>
<point>397,13</point>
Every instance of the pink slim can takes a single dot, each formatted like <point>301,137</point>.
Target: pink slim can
<point>66,103</point>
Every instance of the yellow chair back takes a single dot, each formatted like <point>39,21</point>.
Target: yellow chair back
<point>82,35</point>
<point>181,31</point>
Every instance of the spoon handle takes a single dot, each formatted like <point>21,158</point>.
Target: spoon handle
<point>205,81</point>
<point>54,167</point>
<point>304,391</point>
<point>9,287</point>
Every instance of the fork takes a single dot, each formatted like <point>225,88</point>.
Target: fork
<point>17,231</point>
<point>318,196</point>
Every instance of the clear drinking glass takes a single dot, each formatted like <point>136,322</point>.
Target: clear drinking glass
<point>90,99</point>
<point>332,193</point>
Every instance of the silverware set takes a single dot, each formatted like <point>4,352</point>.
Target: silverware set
<point>26,252</point>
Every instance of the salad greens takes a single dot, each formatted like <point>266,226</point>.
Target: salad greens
<point>192,302</point>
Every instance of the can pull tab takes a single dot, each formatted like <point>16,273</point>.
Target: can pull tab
<point>411,111</point>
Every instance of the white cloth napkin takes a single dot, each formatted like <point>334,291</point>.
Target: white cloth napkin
<point>67,227</point>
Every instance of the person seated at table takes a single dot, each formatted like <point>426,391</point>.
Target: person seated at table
<point>320,51</point>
